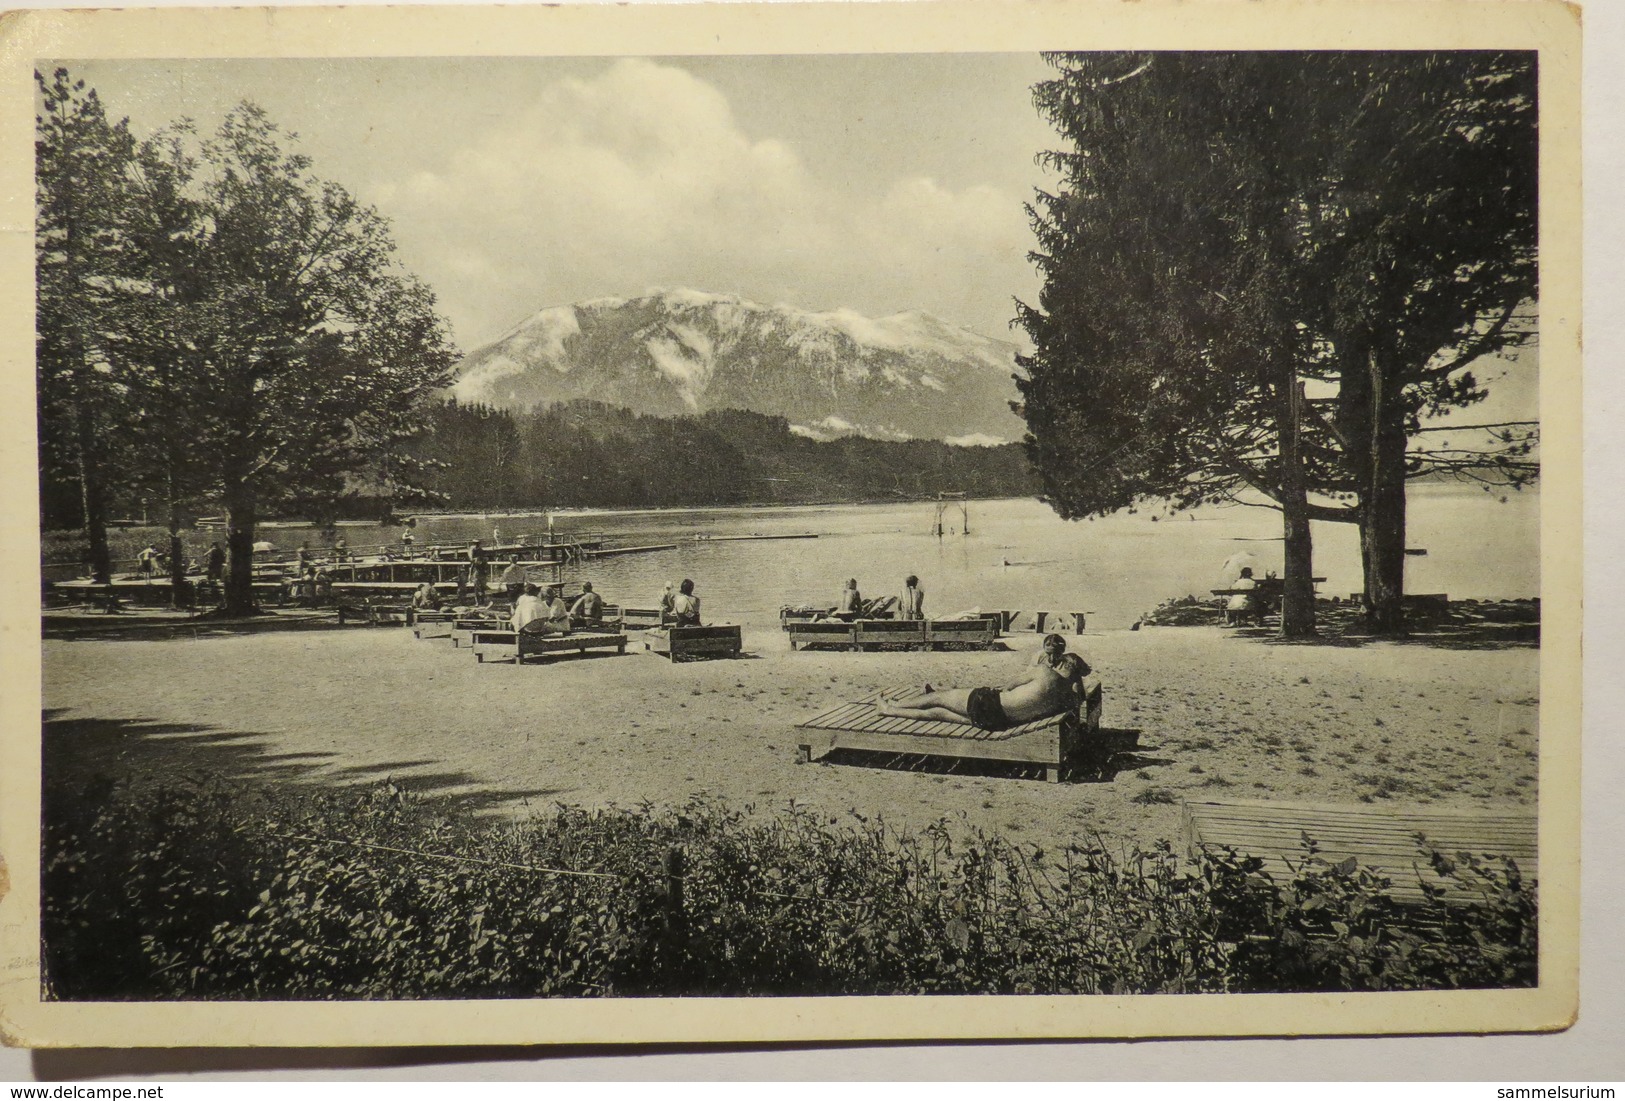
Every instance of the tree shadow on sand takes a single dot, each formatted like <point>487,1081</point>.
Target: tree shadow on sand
<point>1460,625</point>
<point>80,754</point>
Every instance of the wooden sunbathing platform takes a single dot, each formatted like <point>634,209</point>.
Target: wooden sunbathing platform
<point>432,623</point>
<point>899,634</point>
<point>464,626</point>
<point>718,640</point>
<point>1061,742</point>
<point>500,644</point>
<point>374,615</point>
<point>1380,838</point>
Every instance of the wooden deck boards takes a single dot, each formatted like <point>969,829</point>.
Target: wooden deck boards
<point>1382,839</point>
<point>1056,743</point>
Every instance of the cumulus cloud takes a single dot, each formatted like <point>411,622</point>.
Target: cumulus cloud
<point>642,176</point>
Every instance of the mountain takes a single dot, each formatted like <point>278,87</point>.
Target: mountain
<point>909,375</point>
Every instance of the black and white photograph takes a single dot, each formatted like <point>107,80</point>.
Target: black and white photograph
<point>1078,527</point>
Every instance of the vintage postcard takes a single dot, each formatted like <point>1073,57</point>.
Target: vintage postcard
<point>691,523</point>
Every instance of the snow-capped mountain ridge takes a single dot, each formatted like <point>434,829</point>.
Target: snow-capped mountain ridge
<point>677,350</point>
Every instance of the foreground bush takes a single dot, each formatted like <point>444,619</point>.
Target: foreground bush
<point>206,891</point>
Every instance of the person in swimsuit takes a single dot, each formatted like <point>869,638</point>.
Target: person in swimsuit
<point>1051,685</point>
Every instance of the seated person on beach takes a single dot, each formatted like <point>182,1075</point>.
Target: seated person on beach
<point>588,610</point>
<point>1243,604</point>
<point>668,600</point>
<point>513,578</point>
<point>685,607</point>
<point>1051,685</point>
<point>426,597</point>
<point>558,612</point>
<point>850,606</point>
<point>529,608</point>
<point>912,606</point>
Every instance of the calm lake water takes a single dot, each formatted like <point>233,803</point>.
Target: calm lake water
<point>1114,568</point>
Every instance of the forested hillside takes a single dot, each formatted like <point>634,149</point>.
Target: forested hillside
<point>588,454</point>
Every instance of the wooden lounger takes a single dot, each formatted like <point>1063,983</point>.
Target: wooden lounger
<point>824,633</point>
<point>1381,838</point>
<point>683,643</point>
<point>508,645</point>
<point>376,615</point>
<point>639,619</point>
<point>1070,741</point>
<point>981,632</point>
<point>877,634</point>
<point>464,626</point>
<point>433,624</point>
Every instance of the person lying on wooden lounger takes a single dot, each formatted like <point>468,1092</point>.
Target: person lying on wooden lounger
<point>1051,685</point>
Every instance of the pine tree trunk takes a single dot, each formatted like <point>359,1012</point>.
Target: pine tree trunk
<point>94,498</point>
<point>1382,513</point>
<point>1297,582</point>
<point>241,519</point>
<point>178,595</point>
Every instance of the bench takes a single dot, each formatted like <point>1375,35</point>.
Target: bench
<point>1380,838</point>
<point>1058,621</point>
<point>375,615</point>
<point>464,626</point>
<point>877,634</point>
<point>501,644</point>
<point>822,633</point>
<point>432,624</point>
<point>980,632</point>
<point>637,619</point>
<point>683,643</point>
<point>1073,741</point>
<point>789,615</point>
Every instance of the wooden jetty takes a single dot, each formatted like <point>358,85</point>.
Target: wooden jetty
<point>1381,838</point>
<point>1073,741</point>
<point>754,535</point>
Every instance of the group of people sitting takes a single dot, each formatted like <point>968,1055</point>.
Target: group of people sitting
<point>851,604</point>
<point>542,609</point>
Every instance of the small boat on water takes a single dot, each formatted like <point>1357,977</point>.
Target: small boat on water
<point>753,535</point>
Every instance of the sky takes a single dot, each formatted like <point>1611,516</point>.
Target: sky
<point>881,183</point>
<point>877,182</point>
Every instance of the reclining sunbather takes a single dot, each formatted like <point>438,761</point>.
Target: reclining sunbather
<point>1051,685</point>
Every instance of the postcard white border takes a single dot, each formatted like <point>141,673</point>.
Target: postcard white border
<point>793,28</point>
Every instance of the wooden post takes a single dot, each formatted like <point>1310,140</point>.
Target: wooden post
<point>676,921</point>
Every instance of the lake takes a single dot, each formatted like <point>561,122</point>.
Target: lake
<point>1017,554</point>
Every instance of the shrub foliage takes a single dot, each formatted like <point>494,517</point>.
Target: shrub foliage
<point>201,890</point>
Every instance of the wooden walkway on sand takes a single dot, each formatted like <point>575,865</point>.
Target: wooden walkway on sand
<point>1380,838</point>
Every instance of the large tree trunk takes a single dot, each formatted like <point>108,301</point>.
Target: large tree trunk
<point>93,496</point>
<point>241,517</point>
<point>179,594</point>
<point>1297,582</point>
<point>1382,511</point>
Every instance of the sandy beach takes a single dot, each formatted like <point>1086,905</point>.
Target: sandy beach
<point>1218,715</point>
